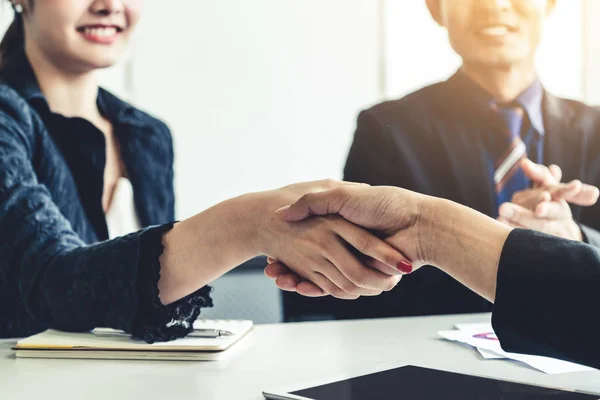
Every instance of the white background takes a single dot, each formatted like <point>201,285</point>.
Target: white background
<point>263,93</point>
<point>266,92</point>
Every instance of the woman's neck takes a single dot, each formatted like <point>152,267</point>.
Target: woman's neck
<point>72,94</point>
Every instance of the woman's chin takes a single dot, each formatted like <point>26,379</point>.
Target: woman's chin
<point>93,63</point>
<point>98,59</point>
<point>104,64</point>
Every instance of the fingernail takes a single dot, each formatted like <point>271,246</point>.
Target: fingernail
<point>405,267</point>
<point>282,209</point>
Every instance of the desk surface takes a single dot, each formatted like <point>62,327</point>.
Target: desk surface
<point>273,355</point>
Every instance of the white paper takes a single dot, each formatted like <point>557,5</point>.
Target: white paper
<point>482,337</point>
<point>478,326</point>
<point>489,355</point>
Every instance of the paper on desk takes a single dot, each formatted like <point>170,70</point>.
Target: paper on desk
<point>482,337</point>
<point>489,355</point>
<point>480,327</point>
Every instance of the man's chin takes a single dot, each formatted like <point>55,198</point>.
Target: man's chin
<point>498,61</point>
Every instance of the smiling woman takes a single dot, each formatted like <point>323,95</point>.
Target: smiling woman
<point>65,33</point>
<point>103,34</point>
<point>72,154</point>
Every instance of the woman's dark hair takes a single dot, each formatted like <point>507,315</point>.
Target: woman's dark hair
<point>13,39</point>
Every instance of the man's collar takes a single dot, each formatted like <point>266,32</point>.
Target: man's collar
<point>530,99</point>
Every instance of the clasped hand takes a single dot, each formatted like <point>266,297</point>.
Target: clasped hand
<point>395,215</point>
<point>545,207</point>
<point>391,212</point>
<point>338,256</point>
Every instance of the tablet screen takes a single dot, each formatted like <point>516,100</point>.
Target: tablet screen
<point>416,383</point>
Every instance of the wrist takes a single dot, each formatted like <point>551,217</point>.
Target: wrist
<point>226,228</point>
<point>202,248</point>
<point>463,243</point>
<point>451,234</point>
<point>434,219</point>
<point>245,220</point>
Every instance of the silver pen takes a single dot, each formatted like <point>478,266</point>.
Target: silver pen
<point>196,333</point>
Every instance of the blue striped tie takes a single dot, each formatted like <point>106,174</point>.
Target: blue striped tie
<point>508,175</point>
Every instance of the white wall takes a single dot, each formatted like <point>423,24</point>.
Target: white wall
<point>561,56</point>
<point>263,93</point>
<point>418,52</point>
<point>417,49</point>
<point>591,41</point>
<point>258,93</point>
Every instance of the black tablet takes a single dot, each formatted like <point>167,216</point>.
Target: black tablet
<point>417,383</point>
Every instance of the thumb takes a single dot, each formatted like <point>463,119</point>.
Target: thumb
<point>538,174</point>
<point>556,172</point>
<point>311,204</point>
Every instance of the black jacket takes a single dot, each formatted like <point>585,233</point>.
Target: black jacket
<point>57,268</point>
<point>547,298</point>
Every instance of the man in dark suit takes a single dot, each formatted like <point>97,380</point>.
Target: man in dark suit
<point>465,139</point>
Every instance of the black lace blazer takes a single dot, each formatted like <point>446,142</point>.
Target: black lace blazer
<point>57,267</point>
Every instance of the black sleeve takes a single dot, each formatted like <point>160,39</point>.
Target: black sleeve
<point>547,298</point>
<point>54,280</point>
<point>590,235</point>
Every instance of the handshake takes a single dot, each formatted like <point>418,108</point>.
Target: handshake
<point>404,230</point>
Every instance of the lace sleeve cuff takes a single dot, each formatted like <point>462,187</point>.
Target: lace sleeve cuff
<point>155,322</point>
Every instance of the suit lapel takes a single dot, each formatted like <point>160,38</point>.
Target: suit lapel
<point>462,139</point>
<point>563,141</point>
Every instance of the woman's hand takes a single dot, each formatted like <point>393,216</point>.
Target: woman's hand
<point>337,256</point>
<point>461,242</point>
<point>387,210</point>
<point>344,260</point>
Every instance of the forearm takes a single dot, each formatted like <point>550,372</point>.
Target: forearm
<point>464,243</point>
<point>202,248</point>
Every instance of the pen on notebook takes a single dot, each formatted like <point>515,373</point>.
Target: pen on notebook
<point>196,333</point>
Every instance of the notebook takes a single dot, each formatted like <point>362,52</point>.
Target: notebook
<point>56,344</point>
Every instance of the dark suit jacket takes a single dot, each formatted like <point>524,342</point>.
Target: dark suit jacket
<point>547,298</point>
<point>431,142</point>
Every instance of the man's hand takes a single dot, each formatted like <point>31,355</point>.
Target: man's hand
<point>459,241</point>
<point>387,210</point>
<point>545,207</point>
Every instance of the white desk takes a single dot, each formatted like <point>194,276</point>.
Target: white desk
<point>273,355</point>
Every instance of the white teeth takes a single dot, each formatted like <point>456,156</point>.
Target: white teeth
<point>101,32</point>
<point>495,31</point>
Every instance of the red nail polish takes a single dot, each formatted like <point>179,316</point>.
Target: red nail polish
<point>405,267</point>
